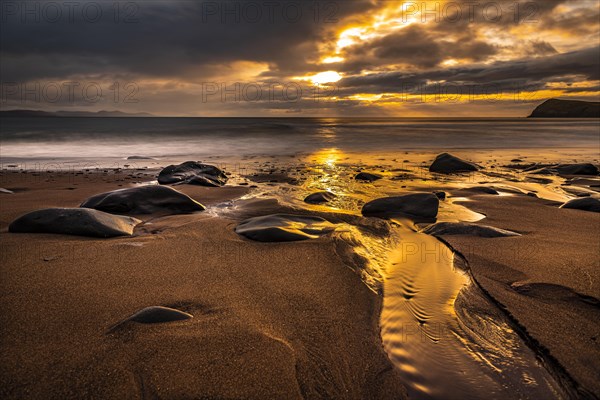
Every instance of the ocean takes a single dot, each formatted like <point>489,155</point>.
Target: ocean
<point>201,138</point>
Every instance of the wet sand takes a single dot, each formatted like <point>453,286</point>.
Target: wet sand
<point>546,279</point>
<point>299,319</point>
<point>285,320</point>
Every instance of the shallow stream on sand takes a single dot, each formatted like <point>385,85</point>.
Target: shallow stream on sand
<point>447,339</point>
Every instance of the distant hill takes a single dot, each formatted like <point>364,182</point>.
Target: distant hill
<point>556,108</point>
<point>67,114</point>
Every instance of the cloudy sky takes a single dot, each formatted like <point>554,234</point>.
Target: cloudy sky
<point>299,58</point>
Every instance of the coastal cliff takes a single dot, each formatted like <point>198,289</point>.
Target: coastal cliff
<point>555,108</point>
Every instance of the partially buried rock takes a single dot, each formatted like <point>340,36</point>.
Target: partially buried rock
<point>148,199</point>
<point>447,164</point>
<point>158,314</point>
<point>367,176</point>
<point>417,205</point>
<point>139,158</point>
<point>480,190</point>
<point>586,204</point>
<point>194,173</point>
<point>462,228</point>
<point>284,228</point>
<point>319,198</point>
<point>74,221</point>
<point>153,315</point>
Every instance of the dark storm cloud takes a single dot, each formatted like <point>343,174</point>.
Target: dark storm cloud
<point>530,74</point>
<point>414,45</point>
<point>158,38</point>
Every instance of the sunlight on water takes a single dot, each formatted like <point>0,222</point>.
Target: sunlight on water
<point>434,348</point>
<point>436,326</point>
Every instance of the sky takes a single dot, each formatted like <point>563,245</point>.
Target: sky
<point>461,58</point>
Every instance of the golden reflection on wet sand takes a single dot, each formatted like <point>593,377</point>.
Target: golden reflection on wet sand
<point>436,349</point>
<point>436,326</point>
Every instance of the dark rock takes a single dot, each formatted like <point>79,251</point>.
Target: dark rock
<point>586,204</point>
<point>577,169</point>
<point>139,158</point>
<point>440,195</point>
<point>148,199</point>
<point>555,108</point>
<point>447,164</point>
<point>417,205</point>
<point>192,172</point>
<point>319,197</point>
<point>532,194</point>
<point>462,228</point>
<point>284,228</point>
<point>74,221</point>
<point>366,176</point>
<point>517,160</point>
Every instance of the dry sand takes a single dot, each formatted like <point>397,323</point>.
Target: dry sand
<point>283,321</point>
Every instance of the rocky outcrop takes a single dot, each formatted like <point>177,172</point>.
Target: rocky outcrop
<point>556,108</point>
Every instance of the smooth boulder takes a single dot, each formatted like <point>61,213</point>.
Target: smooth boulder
<point>462,228</point>
<point>193,173</point>
<point>284,228</point>
<point>416,205</point>
<point>585,203</point>
<point>148,199</point>
<point>446,163</point>
<point>74,221</point>
<point>577,169</point>
<point>319,198</point>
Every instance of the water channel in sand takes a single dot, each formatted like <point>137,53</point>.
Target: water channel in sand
<point>447,339</point>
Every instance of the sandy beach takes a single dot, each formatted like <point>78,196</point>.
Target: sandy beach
<point>301,319</point>
<point>270,321</point>
<point>312,200</point>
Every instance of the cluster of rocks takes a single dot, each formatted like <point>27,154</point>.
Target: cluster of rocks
<point>107,214</point>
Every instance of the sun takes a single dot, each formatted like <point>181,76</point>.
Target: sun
<point>325,77</point>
